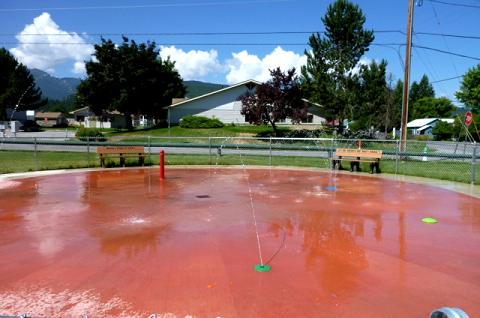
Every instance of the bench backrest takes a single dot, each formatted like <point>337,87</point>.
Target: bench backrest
<point>362,153</point>
<point>120,149</point>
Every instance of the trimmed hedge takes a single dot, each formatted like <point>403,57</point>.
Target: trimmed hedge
<point>92,134</point>
<point>200,122</point>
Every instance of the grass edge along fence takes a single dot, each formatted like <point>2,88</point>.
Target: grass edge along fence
<point>438,160</point>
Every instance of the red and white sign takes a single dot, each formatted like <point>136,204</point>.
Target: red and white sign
<point>468,118</point>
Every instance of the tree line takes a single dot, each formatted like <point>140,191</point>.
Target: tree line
<point>133,79</point>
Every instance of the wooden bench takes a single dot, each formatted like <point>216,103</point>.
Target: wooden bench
<point>355,156</point>
<point>122,152</point>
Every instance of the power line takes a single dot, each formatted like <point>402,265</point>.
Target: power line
<point>142,6</point>
<point>189,33</point>
<point>443,37</point>
<point>456,4</point>
<point>447,52</point>
<point>428,66</point>
<point>461,36</point>
<point>184,43</point>
<point>160,44</point>
<point>446,79</point>
<point>242,44</point>
<point>170,33</point>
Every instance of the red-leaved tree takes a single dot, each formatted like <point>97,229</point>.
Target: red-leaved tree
<point>275,100</point>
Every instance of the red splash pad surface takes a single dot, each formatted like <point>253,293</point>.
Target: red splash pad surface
<point>121,243</point>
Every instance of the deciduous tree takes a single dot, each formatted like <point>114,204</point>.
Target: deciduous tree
<point>444,131</point>
<point>130,78</point>
<point>469,92</point>
<point>277,99</point>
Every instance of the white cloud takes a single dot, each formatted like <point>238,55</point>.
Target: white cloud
<point>364,61</point>
<point>244,66</point>
<point>192,64</point>
<point>79,67</point>
<point>57,49</point>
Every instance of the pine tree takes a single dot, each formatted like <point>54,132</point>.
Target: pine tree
<point>18,90</point>
<point>332,57</point>
<point>417,91</point>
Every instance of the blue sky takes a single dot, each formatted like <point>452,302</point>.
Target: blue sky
<point>84,21</point>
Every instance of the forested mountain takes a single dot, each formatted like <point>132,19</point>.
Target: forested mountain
<point>55,88</point>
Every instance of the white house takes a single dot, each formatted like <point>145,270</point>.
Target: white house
<point>224,104</point>
<point>112,119</point>
<point>424,126</point>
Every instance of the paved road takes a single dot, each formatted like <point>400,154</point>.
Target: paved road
<point>56,134</point>
<point>460,148</point>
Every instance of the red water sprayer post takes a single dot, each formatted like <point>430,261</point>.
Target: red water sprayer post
<point>162,164</point>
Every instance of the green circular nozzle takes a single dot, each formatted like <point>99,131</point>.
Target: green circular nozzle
<point>263,268</point>
<point>429,220</point>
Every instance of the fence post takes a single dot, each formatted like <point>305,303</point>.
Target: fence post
<point>88,152</point>
<point>397,156</point>
<point>474,168</point>
<point>331,150</point>
<point>270,153</point>
<point>210,151</point>
<point>149,151</point>
<point>35,153</point>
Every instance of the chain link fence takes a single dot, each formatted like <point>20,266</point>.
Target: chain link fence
<point>455,161</point>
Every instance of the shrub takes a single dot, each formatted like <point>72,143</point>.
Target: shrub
<point>306,133</point>
<point>200,122</point>
<point>90,134</point>
<point>423,138</point>
<point>359,134</point>
<point>443,131</point>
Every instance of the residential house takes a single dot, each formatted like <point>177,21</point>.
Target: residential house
<point>224,104</point>
<point>80,114</point>
<point>424,126</point>
<point>85,117</point>
<point>50,119</point>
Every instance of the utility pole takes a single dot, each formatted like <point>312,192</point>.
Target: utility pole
<point>406,83</point>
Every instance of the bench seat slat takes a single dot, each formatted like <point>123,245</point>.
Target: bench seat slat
<point>362,153</point>
<point>355,156</point>
<point>120,149</point>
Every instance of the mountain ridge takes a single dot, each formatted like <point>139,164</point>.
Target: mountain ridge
<point>55,88</point>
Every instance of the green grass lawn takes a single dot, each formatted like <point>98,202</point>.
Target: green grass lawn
<point>177,131</point>
<point>21,161</point>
